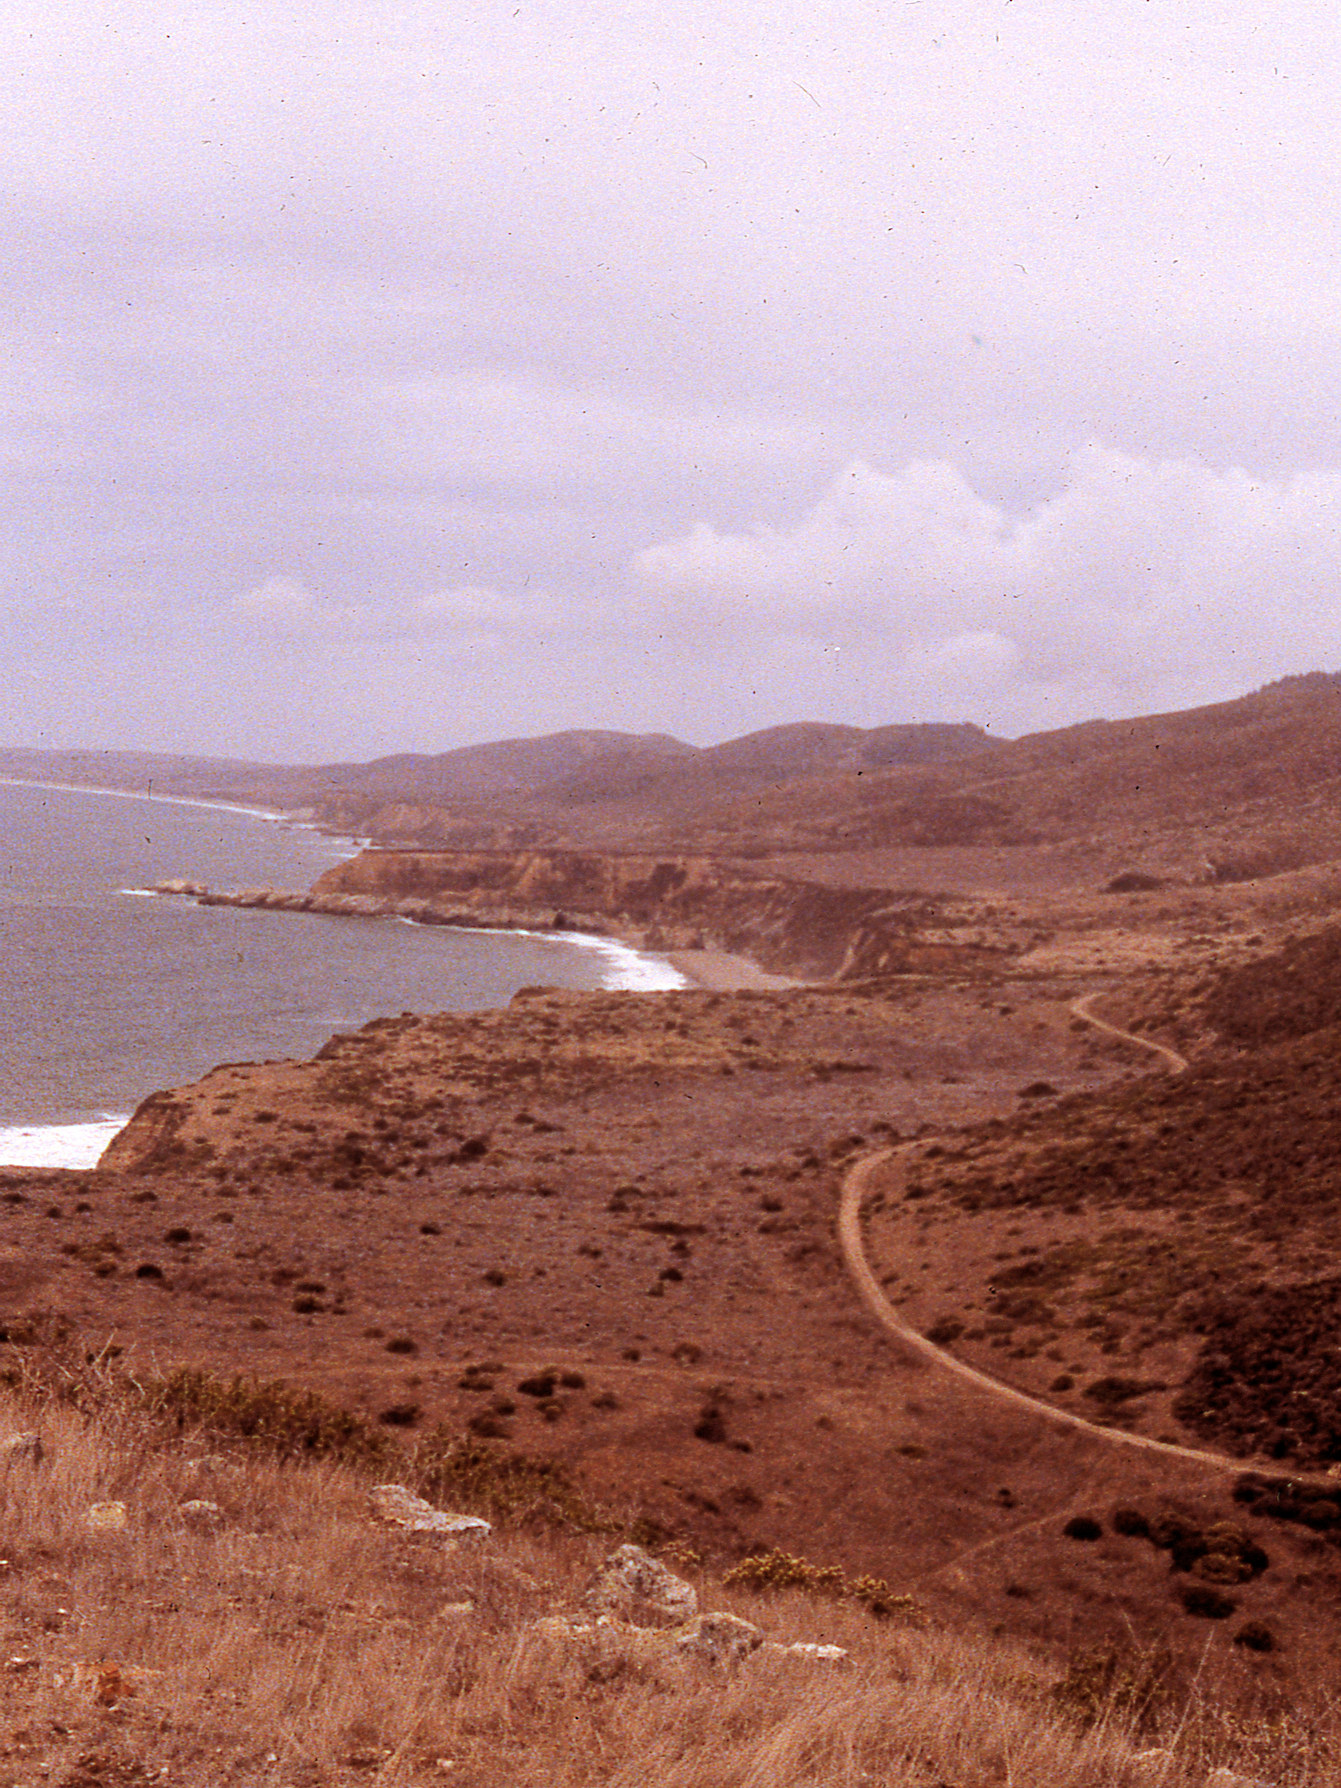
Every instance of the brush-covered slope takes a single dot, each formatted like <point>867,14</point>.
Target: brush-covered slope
<point>1252,785</point>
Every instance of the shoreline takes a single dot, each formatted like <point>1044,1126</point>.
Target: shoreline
<point>275,815</point>
<point>719,971</point>
<point>76,1144</point>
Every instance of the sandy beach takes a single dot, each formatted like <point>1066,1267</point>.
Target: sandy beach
<point>721,972</point>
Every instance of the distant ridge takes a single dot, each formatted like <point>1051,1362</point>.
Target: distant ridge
<point>1241,787</point>
<point>540,782</point>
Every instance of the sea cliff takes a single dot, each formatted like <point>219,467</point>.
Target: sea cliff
<point>673,902</point>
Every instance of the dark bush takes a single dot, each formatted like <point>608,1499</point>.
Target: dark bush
<point>540,1386</point>
<point>710,1427</point>
<point>278,1416</point>
<point>944,1330</point>
<point>1112,1391</point>
<point>1083,1527</point>
<point>1292,992</point>
<point>400,1415</point>
<point>1134,881</point>
<point>1264,1380</point>
<point>1132,1523</point>
<point>504,1485</point>
<point>1255,1635</point>
<point>1207,1602</point>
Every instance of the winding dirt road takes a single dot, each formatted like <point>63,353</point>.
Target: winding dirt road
<point>1081,1007</point>
<point>893,1163</point>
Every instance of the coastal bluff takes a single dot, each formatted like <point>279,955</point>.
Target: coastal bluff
<point>672,902</point>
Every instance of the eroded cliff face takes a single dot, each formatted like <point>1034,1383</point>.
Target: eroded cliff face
<point>666,902</point>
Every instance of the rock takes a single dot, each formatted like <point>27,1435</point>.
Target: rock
<point>709,1638</point>
<point>633,1584</point>
<point>1230,1778</point>
<point>401,1508</point>
<point>1154,1765</point>
<point>107,1517</point>
<point>201,1513</point>
<point>23,1449</point>
<point>719,1639</point>
<point>808,1654</point>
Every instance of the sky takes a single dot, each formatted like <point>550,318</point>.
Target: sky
<point>387,377</point>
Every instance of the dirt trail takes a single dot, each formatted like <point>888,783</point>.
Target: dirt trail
<point>871,1292</point>
<point>1081,1008</point>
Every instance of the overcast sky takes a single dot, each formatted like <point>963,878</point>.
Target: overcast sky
<point>393,377</point>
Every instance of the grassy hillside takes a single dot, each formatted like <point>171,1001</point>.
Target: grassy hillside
<point>186,1602</point>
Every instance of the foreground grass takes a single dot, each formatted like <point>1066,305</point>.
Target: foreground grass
<point>294,1642</point>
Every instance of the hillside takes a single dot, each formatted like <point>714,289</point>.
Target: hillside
<point>1231,790</point>
<point>598,1231</point>
<point>203,1584</point>
<point>588,1243</point>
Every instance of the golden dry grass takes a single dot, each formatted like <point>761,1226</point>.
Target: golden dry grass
<point>296,1642</point>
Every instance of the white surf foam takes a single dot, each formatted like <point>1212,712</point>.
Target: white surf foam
<point>57,1145</point>
<point>626,968</point>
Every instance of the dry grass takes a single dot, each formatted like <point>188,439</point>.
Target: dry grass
<point>295,1642</point>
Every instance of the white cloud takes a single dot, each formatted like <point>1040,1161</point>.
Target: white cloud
<point>1138,578</point>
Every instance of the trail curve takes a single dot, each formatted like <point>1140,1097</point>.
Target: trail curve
<point>1177,1063</point>
<point>856,1186</point>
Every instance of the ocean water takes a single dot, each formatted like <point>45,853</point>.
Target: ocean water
<point>108,992</point>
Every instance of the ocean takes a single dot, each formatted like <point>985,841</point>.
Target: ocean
<point>109,992</point>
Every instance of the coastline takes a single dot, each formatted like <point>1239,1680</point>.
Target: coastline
<point>276,815</point>
<point>78,1146</point>
<point>620,964</point>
